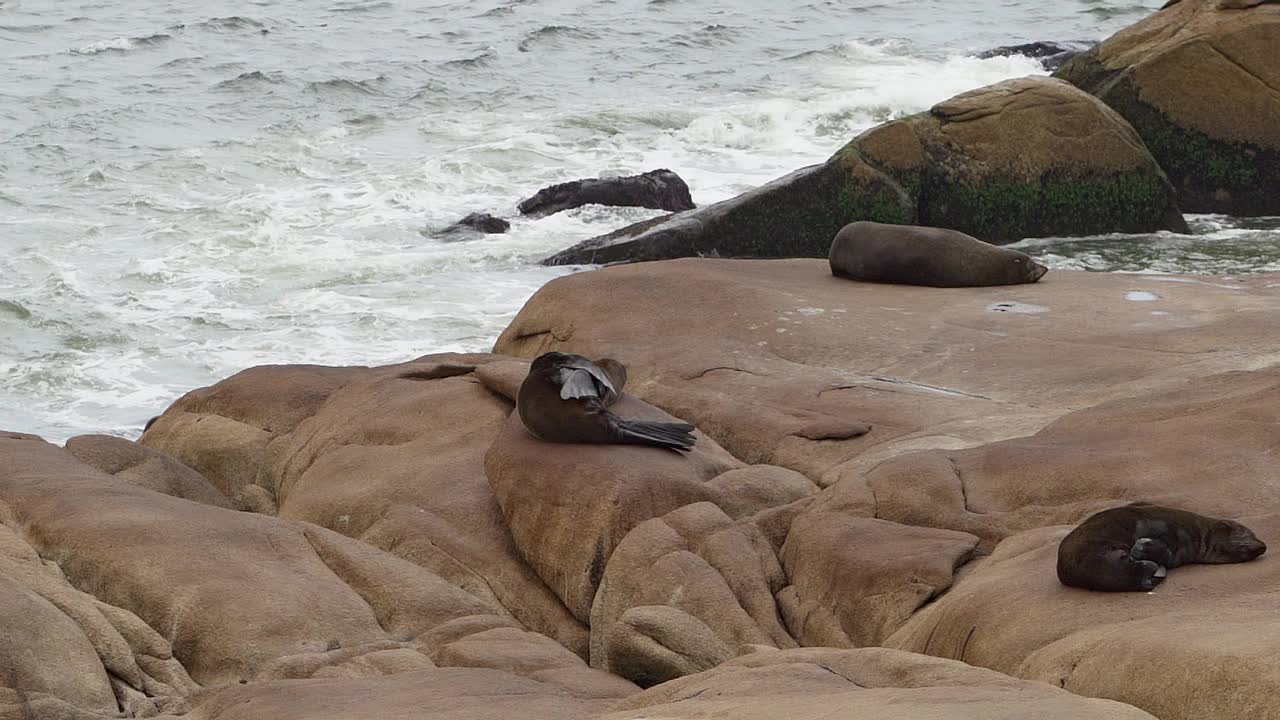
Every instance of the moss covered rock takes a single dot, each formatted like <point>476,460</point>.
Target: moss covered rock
<point>1200,83</point>
<point>1031,157</point>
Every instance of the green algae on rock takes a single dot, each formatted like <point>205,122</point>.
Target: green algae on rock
<point>1030,157</point>
<point>1198,82</point>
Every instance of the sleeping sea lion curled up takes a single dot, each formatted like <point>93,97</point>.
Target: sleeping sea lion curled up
<point>915,255</point>
<point>1132,547</point>
<point>564,399</point>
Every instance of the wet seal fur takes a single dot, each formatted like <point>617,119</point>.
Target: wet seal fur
<point>916,255</point>
<point>1131,548</point>
<point>565,399</point>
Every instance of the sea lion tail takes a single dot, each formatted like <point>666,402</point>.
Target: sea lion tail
<point>676,436</point>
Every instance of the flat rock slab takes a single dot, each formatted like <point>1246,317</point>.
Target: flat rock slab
<point>780,362</point>
<point>819,683</point>
<point>444,694</point>
<point>1206,446</point>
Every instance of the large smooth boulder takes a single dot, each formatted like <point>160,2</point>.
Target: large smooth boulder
<point>1031,157</point>
<point>569,505</point>
<point>783,364</point>
<point>819,683</point>
<point>1205,445</point>
<point>395,458</point>
<point>1199,82</point>
<point>854,580</point>
<point>1201,645</point>
<point>222,431</point>
<point>142,466</point>
<point>47,654</point>
<point>344,448</point>
<point>232,591</point>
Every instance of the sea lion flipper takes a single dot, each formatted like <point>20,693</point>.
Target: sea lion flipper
<point>1152,549</point>
<point>675,436</point>
<point>578,384</point>
<point>600,376</point>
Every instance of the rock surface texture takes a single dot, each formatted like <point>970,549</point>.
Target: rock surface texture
<point>876,465</point>
<point>1030,157</point>
<point>1199,82</point>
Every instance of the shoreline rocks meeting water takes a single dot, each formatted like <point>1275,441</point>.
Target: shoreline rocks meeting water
<point>862,516</point>
<point>881,476</point>
<point>1173,114</point>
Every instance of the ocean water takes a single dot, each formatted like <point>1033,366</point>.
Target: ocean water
<point>191,188</point>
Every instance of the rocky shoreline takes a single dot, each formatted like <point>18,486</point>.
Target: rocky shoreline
<point>866,526</point>
<point>1176,113</point>
<point>868,519</point>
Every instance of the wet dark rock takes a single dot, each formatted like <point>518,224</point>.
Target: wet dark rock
<point>1031,157</point>
<point>485,223</point>
<point>657,189</point>
<point>1198,81</point>
<point>1050,54</point>
<point>469,226</point>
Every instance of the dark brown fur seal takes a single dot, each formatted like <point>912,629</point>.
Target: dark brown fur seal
<point>564,398</point>
<point>915,255</point>
<point>1132,547</point>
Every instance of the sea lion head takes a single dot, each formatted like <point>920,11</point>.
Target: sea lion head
<point>1231,542</point>
<point>1027,270</point>
<point>550,360</point>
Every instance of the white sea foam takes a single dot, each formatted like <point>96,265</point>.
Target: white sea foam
<point>93,48</point>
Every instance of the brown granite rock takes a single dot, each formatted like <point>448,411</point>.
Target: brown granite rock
<point>854,580</point>
<point>1201,645</point>
<point>47,653</point>
<point>222,431</point>
<point>1205,446</point>
<point>446,694</point>
<point>97,647</point>
<point>395,458</point>
<point>140,465</point>
<point>816,683</point>
<point>760,354</point>
<point>568,505</point>
<point>233,590</point>
<point>720,577</point>
<point>1199,82</point>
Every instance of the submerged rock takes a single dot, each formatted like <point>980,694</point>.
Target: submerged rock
<point>1024,158</point>
<point>1200,83</point>
<point>656,189</point>
<point>471,225</point>
<point>485,223</point>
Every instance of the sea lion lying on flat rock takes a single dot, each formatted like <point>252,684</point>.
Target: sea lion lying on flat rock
<point>915,255</point>
<point>1132,547</point>
<point>564,399</point>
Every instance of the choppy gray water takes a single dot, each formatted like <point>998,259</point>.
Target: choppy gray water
<point>190,188</point>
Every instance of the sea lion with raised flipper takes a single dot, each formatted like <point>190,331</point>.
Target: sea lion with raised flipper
<point>1132,548</point>
<point>564,399</point>
<point>916,255</point>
